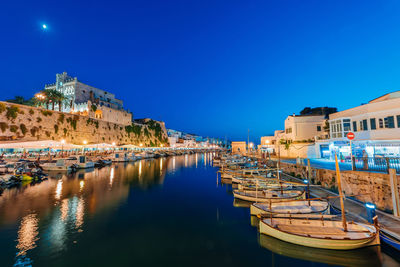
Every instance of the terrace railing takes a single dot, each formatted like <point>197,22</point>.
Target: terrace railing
<point>376,164</point>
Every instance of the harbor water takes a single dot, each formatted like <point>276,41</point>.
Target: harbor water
<point>161,212</point>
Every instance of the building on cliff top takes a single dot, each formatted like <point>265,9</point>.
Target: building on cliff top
<point>89,101</point>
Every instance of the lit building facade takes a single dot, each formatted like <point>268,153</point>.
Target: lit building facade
<point>89,101</point>
<point>376,126</point>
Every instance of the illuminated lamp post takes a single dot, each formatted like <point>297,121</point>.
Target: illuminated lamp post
<point>83,148</point>
<point>62,147</point>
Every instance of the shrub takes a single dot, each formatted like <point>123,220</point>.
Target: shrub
<point>23,128</point>
<point>31,112</point>
<point>33,131</point>
<point>65,131</point>
<point>47,133</point>
<point>94,107</point>
<point>56,128</point>
<point>72,121</point>
<point>3,125</point>
<point>12,112</point>
<point>2,107</point>
<point>47,113</point>
<point>38,119</point>
<point>14,128</point>
<point>61,118</point>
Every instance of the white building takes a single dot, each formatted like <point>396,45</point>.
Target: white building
<point>267,144</point>
<point>300,128</point>
<point>89,101</point>
<point>376,126</point>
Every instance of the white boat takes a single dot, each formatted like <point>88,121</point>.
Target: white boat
<point>267,195</point>
<point>120,157</point>
<point>320,233</point>
<point>59,165</point>
<point>290,207</point>
<point>80,163</point>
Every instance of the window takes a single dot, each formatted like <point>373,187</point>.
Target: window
<point>389,122</point>
<point>373,123</point>
<point>380,123</point>
<point>361,126</point>
<point>319,128</point>
<point>365,125</point>
<point>398,121</point>
<point>355,126</point>
<point>289,130</point>
<point>346,125</point>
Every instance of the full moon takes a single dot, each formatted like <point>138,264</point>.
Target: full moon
<point>44,26</point>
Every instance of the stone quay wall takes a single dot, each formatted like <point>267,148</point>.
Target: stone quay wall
<point>367,186</point>
<point>26,123</point>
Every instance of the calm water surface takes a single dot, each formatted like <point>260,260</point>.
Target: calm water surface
<point>162,212</point>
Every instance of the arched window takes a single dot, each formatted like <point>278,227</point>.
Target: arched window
<point>98,114</point>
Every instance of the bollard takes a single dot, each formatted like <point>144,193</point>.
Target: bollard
<point>395,192</point>
<point>370,211</point>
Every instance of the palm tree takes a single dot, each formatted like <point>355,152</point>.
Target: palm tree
<point>59,97</point>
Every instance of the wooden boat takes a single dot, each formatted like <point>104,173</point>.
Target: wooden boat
<point>319,233</point>
<point>369,256</point>
<point>290,207</point>
<point>267,195</point>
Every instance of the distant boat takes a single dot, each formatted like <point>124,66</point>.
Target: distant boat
<point>59,165</point>
<point>290,207</point>
<point>267,195</point>
<point>80,163</point>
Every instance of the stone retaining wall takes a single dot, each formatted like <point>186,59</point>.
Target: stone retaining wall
<point>372,187</point>
<point>25,123</point>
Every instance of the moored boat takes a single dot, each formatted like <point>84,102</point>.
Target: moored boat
<point>290,207</point>
<point>267,195</point>
<point>320,233</point>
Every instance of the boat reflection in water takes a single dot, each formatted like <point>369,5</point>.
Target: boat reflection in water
<point>62,204</point>
<point>369,256</point>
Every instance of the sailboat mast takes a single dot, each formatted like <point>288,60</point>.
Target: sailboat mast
<point>340,194</point>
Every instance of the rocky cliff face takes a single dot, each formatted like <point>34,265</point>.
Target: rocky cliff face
<point>25,123</point>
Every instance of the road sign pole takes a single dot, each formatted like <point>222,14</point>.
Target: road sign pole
<point>351,156</point>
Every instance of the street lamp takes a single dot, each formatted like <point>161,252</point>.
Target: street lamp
<point>62,147</point>
<point>113,144</point>
<point>83,148</point>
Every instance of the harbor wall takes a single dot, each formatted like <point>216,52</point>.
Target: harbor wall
<point>366,186</point>
<point>26,123</point>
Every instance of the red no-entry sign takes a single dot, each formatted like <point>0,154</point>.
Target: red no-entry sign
<point>350,136</point>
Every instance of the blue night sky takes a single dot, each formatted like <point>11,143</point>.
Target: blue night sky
<point>215,68</point>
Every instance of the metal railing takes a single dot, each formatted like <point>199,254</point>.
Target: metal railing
<point>377,164</point>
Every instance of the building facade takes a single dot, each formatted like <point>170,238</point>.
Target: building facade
<point>239,147</point>
<point>376,126</point>
<point>89,101</point>
<point>304,128</point>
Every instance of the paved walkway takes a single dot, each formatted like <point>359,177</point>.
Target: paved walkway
<point>356,209</point>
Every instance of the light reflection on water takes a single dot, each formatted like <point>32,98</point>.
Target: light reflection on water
<point>27,234</point>
<point>54,217</point>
